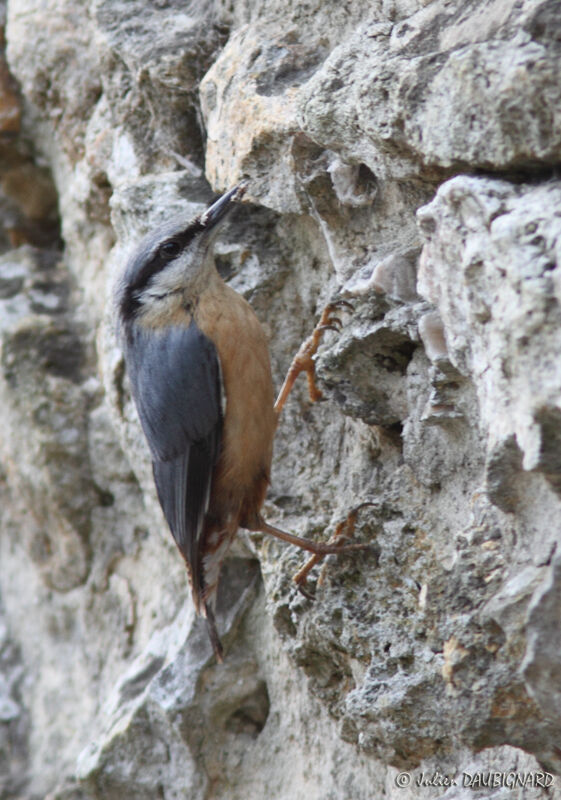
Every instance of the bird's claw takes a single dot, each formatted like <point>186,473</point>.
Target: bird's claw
<point>342,304</point>
<point>327,317</point>
<point>331,327</point>
<point>342,533</point>
<point>327,322</point>
<point>305,593</point>
<point>303,361</point>
<point>334,324</point>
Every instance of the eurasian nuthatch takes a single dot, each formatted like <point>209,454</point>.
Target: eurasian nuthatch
<point>198,363</point>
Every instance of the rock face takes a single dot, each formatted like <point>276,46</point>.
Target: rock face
<point>401,156</point>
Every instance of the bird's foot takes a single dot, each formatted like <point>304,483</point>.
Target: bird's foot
<point>342,533</point>
<point>320,549</point>
<point>304,361</point>
<point>335,546</point>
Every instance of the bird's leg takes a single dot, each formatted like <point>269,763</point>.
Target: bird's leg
<point>303,361</point>
<point>320,549</point>
<point>343,531</point>
<point>335,545</point>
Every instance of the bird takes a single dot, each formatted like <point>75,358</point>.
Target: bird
<point>200,374</point>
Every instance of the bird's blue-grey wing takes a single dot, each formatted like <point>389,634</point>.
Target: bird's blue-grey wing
<point>175,380</point>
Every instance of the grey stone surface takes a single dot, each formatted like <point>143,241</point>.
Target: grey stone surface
<point>401,155</point>
<point>541,666</point>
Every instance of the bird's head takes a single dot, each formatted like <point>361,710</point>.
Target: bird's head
<point>172,260</point>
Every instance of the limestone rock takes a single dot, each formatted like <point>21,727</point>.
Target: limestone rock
<point>541,667</point>
<point>399,156</point>
<point>503,248</point>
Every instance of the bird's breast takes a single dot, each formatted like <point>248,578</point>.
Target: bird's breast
<point>230,323</point>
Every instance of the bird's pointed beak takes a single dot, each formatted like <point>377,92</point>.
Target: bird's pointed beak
<point>220,208</point>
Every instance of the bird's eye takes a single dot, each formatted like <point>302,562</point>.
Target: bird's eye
<point>170,249</point>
